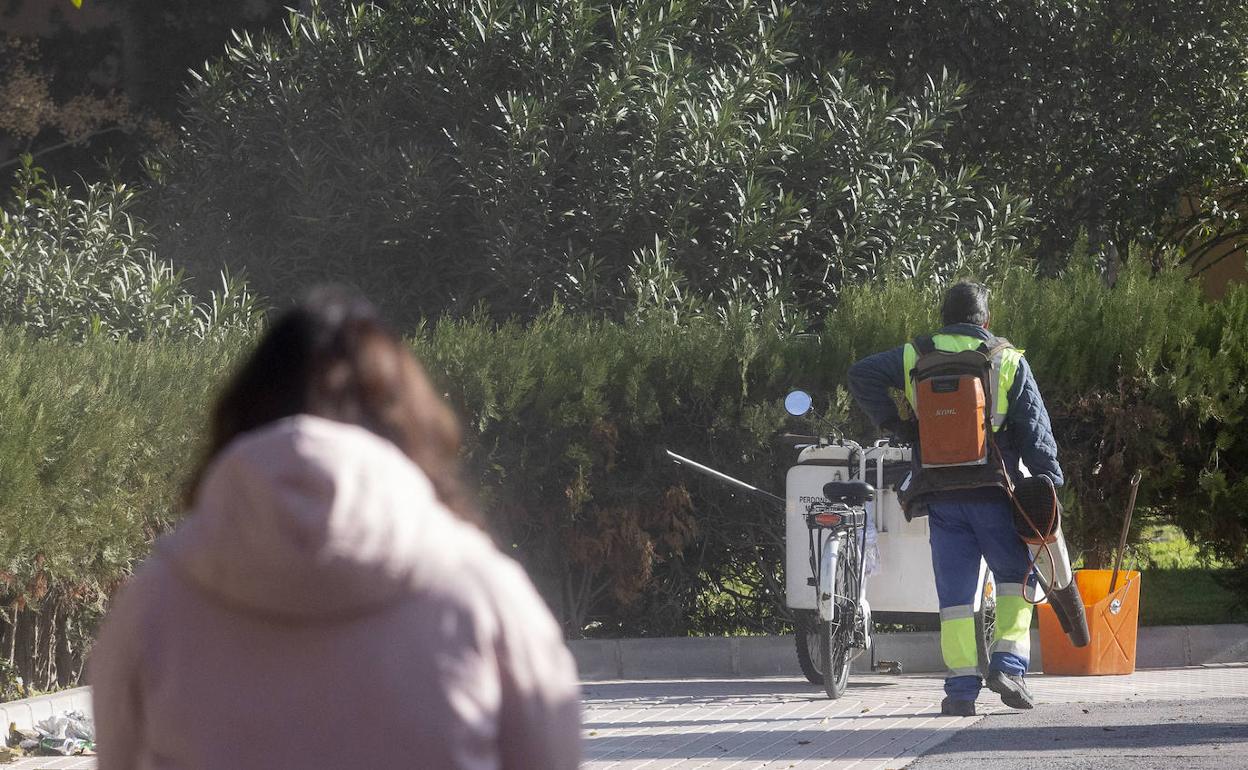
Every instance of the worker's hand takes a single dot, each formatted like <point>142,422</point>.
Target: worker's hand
<point>903,430</point>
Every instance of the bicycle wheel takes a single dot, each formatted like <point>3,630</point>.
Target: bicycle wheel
<point>806,634</point>
<point>835,638</point>
<point>986,623</point>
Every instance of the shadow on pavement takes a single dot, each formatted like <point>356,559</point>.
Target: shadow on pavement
<point>714,688</point>
<point>748,720</point>
<point>817,742</point>
<point>1101,737</point>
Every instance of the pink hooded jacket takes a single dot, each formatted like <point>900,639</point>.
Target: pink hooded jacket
<point>320,609</point>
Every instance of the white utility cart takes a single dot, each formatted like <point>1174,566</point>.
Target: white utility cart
<point>900,587</point>
<point>894,577</point>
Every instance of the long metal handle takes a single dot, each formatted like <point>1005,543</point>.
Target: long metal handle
<point>724,477</point>
<point>1126,528</point>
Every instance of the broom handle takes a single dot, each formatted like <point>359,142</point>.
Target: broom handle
<point>1126,528</point>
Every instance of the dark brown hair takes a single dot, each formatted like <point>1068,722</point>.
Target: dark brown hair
<point>332,356</point>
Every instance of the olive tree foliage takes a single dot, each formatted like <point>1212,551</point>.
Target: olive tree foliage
<point>444,155</point>
<point>1124,120</point>
<point>75,266</point>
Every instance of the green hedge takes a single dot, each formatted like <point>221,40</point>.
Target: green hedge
<point>1145,375</point>
<point>96,440</point>
<point>566,415</point>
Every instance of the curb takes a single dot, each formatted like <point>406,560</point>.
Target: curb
<point>758,656</point>
<point>918,652</point>
<point>26,712</point>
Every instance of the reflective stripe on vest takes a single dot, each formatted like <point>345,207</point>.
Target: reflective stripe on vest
<point>1001,377</point>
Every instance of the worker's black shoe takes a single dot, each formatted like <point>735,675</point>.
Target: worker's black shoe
<point>1012,689</point>
<point>957,708</point>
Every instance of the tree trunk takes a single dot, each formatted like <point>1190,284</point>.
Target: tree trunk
<point>134,77</point>
<point>24,646</point>
<point>1122,245</point>
<point>39,651</point>
<point>65,669</point>
<point>1104,246</point>
<point>1053,254</point>
<point>6,634</point>
<point>46,660</point>
<point>10,649</point>
<point>1112,259</point>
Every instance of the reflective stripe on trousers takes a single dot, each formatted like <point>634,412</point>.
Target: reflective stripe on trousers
<point>1013,632</point>
<point>959,645</point>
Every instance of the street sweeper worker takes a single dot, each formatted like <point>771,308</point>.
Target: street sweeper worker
<point>969,434</point>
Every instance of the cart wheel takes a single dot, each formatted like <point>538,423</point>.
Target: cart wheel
<point>806,632</point>
<point>986,623</point>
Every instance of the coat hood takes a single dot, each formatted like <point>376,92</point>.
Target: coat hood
<point>313,519</point>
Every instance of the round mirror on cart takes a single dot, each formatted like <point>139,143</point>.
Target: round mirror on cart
<point>797,403</point>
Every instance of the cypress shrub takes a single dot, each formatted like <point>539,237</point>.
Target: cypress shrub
<point>97,439</point>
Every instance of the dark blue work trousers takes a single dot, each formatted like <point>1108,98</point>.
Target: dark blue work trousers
<point>962,530</point>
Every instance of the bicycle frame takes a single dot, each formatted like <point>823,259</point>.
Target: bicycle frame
<point>827,544</point>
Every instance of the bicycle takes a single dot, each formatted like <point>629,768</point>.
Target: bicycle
<point>837,536</point>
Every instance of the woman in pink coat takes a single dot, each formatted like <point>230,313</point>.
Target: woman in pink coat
<point>325,604</point>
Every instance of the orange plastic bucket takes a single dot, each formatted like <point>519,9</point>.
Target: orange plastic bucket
<point>1113,620</point>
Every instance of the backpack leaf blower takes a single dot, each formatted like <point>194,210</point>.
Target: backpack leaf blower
<point>1038,519</point>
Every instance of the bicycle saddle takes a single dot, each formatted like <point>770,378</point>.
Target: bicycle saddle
<point>848,492</point>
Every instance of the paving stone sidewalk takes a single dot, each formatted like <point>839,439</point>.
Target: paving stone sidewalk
<point>882,722</point>
<point>52,763</point>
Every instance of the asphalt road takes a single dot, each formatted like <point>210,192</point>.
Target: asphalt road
<point>1140,735</point>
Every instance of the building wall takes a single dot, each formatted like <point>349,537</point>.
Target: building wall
<point>1231,269</point>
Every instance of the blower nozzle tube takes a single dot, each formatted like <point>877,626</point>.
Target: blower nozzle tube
<point>1038,516</point>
